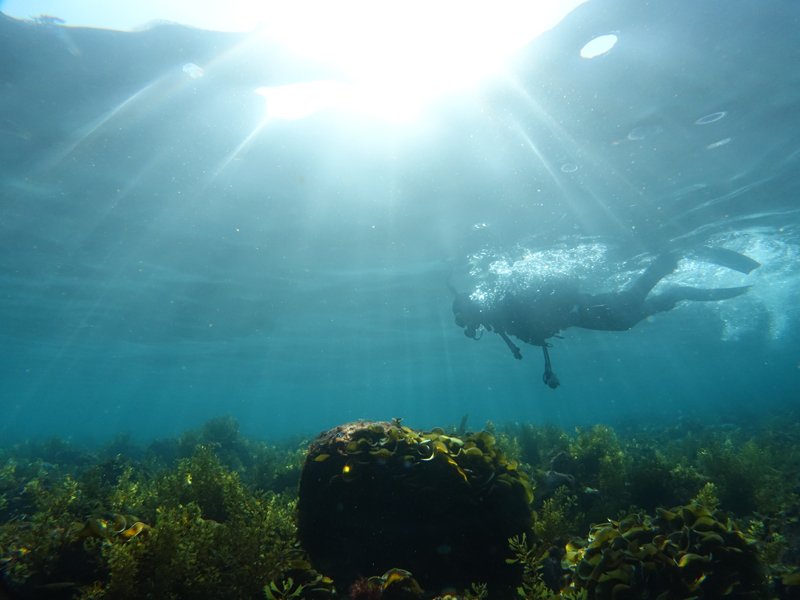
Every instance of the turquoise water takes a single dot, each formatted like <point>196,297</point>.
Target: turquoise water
<point>169,256</point>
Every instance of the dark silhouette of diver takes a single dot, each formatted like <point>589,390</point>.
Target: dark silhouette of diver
<point>533,316</point>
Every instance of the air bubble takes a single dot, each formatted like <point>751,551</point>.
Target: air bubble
<point>569,168</point>
<point>193,71</point>
<point>641,133</point>
<point>599,45</point>
<point>718,144</point>
<point>712,118</point>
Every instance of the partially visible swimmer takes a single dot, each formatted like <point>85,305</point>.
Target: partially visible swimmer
<point>534,316</point>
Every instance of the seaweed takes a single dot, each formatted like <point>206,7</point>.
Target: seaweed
<point>210,536</point>
<point>122,445</point>
<point>212,513</point>
<point>598,459</point>
<point>533,586</point>
<point>526,555</point>
<point>461,430</point>
<point>707,496</point>
<point>36,546</point>
<point>557,519</point>
<point>202,534</point>
<point>685,552</point>
<point>476,591</point>
<point>746,476</point>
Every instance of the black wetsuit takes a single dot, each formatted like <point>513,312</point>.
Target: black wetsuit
<point>536,315</point>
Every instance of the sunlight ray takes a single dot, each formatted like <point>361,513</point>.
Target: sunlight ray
<point>574,207</point>
<point>566,141</point>
<point>93,127</point>
<point>233,155</point>
<point>546,165</point>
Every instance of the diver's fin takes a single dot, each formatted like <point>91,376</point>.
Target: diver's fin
<point>729,259</point>
<point>705,295</point>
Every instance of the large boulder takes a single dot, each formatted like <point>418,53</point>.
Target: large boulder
<point>377,496</point>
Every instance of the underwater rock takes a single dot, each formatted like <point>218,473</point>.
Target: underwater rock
<point>561,462</point>
<point>379,496</point>
<point>787,587</point>
<point>553,480</point>
<point>550,570</point>
<point>789,529</point>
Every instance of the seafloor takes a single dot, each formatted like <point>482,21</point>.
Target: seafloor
<point>683,511</point>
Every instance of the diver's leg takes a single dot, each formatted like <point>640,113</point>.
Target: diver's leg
<point>550,379</point>
<point>671,296</point>
<point>666,263</point>
<point>663,265</point>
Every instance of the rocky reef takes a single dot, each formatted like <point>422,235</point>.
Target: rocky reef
<point>386,512</point>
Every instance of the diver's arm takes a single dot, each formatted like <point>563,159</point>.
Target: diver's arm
<point>514,350</point>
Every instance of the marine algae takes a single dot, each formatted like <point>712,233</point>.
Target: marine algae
<point>745,476</point>
<point>199,533</point>
<point>686,552</point>
<point>533,586</point>
<point>211,514</point>
<point>707,496</point>
<point>556,518</point>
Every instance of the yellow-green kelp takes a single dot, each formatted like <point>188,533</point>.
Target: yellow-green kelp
<point>198,533</point>
<point>683,553</point>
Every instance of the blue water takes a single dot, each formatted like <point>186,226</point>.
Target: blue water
<point>165,260</point>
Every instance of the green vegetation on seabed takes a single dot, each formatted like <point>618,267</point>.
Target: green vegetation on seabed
<point>212,514</point>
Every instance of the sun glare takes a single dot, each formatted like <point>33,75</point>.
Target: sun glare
<point>397,55</point>
<point>296,101</point>
<point>402,54</point>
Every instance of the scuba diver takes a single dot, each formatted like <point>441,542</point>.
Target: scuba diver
<point>533,316</point>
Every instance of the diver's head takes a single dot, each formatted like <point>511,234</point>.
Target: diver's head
<point>468,315</point>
